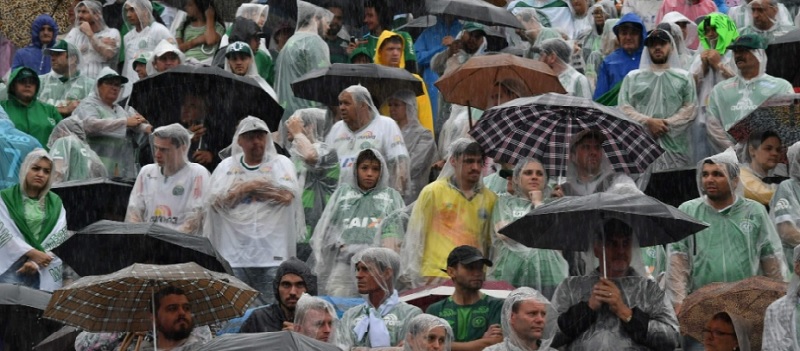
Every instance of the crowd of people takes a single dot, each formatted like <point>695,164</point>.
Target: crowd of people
<point>374,198</point>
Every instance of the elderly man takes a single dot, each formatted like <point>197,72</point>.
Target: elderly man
<point>362,127</point>
<point>614,307</point>
<point>525,313</point>
<point>254,215</point>
<point>556,53</point>
<point>767,22</point>
<point>661,96</point>
<point>315,318</point>
<point>29,115</point>
<point>381,320</point>
<point>428,333</point>
<point>781,315</point>
<point>630,32</point>
<point>292,279</point>
<point>64,86</point>
<point>734,98</point>
<point>171,192</point>
<point>98,43</point>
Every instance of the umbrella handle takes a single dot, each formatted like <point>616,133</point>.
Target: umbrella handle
<point>126,342</point>
<point>138,343</point>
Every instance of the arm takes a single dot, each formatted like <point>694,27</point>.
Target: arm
<point>789,234</point>
<point>716,133</point>
<point>678,273</point>
<point>107,47</point>
<point>602,81</point>
<point>656,328</point>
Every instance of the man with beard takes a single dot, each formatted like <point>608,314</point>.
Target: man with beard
<point>292,280</point>
<point>473,315</point>
<point>336,44</point>
<point>661,96</point>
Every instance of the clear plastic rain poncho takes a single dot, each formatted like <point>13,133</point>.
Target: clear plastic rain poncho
<point>255,12</point>
<point>686,44</point>
<point>252,71</point>
<point>573,81</point>
<point>781,24</point>
<point>512,341</point>
<point>604,179</point>
<point>366,325</point>
<point>608,43</point>
<point>73,158</point>
<point>309,314</point>
<point>740,241</point>
<point>531,19</point>
<point>381,133</point>
<point>780,320</point>
<point>60,90</point>
<point>140,41</point>
<point>350,224</point>
<point>753,173</point>
<point>173,193</point>
<point>784,209</point>
<point>666,92</point>
<point>162,48</point>
<point>108,134</point>
<point>420,144</point>
<point>685,56</point>
<point>653,324</point>
<point>254,215</point>
<point>592,42</point>
<point>420,338</point>
<point>516,263</point>
<point>316,164</point>
<point>444,218</point>
<point>742,15</point>
<point>99,51</point>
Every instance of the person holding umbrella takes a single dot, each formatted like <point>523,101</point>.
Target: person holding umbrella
<point>782,315</point>
<point>784,209</point>
<point>589,170</point>
<point>614,306</point>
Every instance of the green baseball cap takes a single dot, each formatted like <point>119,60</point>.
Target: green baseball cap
<point>748,42</point>
<point>474,26</point>
<point>62,46</point>
<point>238,47</point>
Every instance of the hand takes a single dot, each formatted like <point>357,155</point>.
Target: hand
<point>438,165</point>
<point>557,192</point>
<point>28,268</point>
<point>203,157</point>
<point>454,47</point>
<point>289,326</point>
<point>657,127</point>
<point>494,333</point>
<point>110,42</point>
<point>607,292</point>
<point>713,58</point>
<point>294,125</point>
<point>446,41</point>
<point>136,120</point>
<point>210,13</point>
<point>535,196</point>
<point>86,29</point>
<point>197,130</point>
<point>40,258</point>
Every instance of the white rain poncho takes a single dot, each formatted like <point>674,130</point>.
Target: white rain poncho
<point>691,40</point>
<point>108,134</point>
<point>102,49</point>
<point>653,324</point>
<point>254,216</point>
<point>350,224</point>
<point>420,144</point>
<point>162,48</point>
<point>784,209</point>
<point>592,42</point>
<point>573,81</point>
<point>516,263</point>
<point>173,193</point>
<point>445,218</point>
<point>73,158</point>
<point>742,15</point>
<point>666,92</point>
<point>316,164</point>
<point>308,318</point>
<point>304,52</point>
<point>419,336</point>
<point>534,29</point>
<point>512,341</point>
<point>685,55</point>
<point>58,90</point>
<point>252,71</point>
<point>740,241</point>
<point>385,325</point>
<point>605,179</point>
<point>381,133</point>
<point>753,173</point>
<point>138,42</point>
<point>456,127</point>
<point>781,319</point>
<point>781,24</point>
<point>581,25</point>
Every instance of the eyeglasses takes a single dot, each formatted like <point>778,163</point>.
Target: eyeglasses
<point>716,333</point>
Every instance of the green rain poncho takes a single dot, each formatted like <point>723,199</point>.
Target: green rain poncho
<point>785,205</point>
<point>740,241</point>
<point>516,263</point>
<point>351,223</point>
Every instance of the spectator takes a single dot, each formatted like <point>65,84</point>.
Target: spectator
<point>759,159</point>
<point>239,60</point>
<point>165,56</point>
<point>44,31</point>
<point>525,317</point>
<point>556,53</point>
<point>144,34</point>
<point>767,21</point>
<point>201,32</point>
<point>727,331</point>
<point>65,85</point>
<point>29,115</point>
<point>73,159</point>
<point>428,333</point>
<point>336,44</point>
<point>292,280</point>
<point>780,315</point>
<point>582,20</point>
<point>588,168</point>
<point>98,44</point>
<point>377,19</point>
<point>419,141</point>
<point>630,32</point>
<point>784,209</point>
<point>690,9</point>
<point>316,318</point>
<point>433,40</point>
<point>247,31</point>
<point>18,145</point>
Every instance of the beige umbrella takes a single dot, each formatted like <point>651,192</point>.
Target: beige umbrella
<point>16,17</point>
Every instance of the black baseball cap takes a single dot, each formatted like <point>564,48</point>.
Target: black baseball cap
<point>466,254</point>
<point>658,35</point>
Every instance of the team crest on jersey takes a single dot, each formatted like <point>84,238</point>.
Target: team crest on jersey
<point>782,204</point>
<point>178,190</point>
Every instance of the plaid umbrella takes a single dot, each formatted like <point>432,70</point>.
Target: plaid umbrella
<point>748,298</point>
<point>780,114</point>
<point>541,127</point>
<point>121,301</point>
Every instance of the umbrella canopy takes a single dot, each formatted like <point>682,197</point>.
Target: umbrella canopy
<point>474,10</point>
<point>121,301</point>
<point>230,98</point>
<point>17,16</point>
<point>276,341</point>
<point>541,127</point>
<point>85,201</point>
<point>21,324</point>
<point>324,84</point>
<point>107,246</point>
<point>570,223</point>
<point>62,340</point>
<point>425,296</point>
<point>780,114</point>
<point>469,84</point>
<point>782,56</point>
<point>748,298</point>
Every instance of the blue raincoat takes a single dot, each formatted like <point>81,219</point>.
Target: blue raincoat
<point>426,46</point>
<point>619,63</point>
<point>32,56</point>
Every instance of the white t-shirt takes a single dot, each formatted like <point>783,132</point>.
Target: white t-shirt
<point>382,134</point>
<point>169,201</point>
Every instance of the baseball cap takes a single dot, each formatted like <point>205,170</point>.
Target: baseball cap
<point>748,42</point>
<point>506,173</point>
<point>62,46</point>
<point>466,254</point>
<point>240,47</point>
<point>473,27</point>
<point>111,75</point>
<point>251,124</point>
<point>658,36</point>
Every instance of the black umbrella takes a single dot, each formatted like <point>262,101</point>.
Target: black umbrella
<point>21,321</point>
<point>673,187</point>
<point>325,84</point>
<point>275,341</point>
<point>782,56</point>
<point>230,98</point>
<point>107,246</point>
<point>474,10</point>
<point>88,201</point>
<point>62,340</point>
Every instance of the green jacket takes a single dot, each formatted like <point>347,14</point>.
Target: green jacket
<point>37,118</point>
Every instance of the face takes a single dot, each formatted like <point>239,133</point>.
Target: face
<point>350,109</point>
<point>253,144</point>
<point>336,23</point>
<point>141,70</point>
<point>768,153</point>
<point>629,38</point>
<point>763,15</point>
<point>84,15</point>
<point>710,32</point>
<point>532,177</point>
<point>46,34</point>
<point>240,63</point>
<point>323,27</point>
<point>361,59</point>
<point>109,90</point>
<point>659,51</point>
<point>500,94</point>
<point>317,324</point>
<point>193,110</point>
<point>371,18</point>
<point>60,62</point>
<point>130,14</point>
<point>391,53</point>
<point>366,283</point>
<point>472,41</point>
<point>579,7</point>
<point>397,109</point>
<point>191,9</point>
<point>290,288</point>
<point>618,253</point>
<point>719,335</point>
<point>599,17</point>
<point>25,88</point>
<point>369,171</point>
<point>684,28</point>
<point>528,322</point>
<point>745,60</point>
<point>433,340</point>
<point>468,277</point>
<point>38,175</point>
<point>715,182</point>
<point>174,317</point>
<point>468,167</point>
<point>166,61</point>
<point>588,155</point>
<point>166,153</point>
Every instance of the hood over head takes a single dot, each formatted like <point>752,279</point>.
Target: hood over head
<point>631,19</point>
<point>67,127</point>
<point>726,32</point>
<point>297,267</point>
<point>311,18</point>
<point>23,72</point>
<point>32,158</point>
<point>39,22</point>
<point>144,11</point>
<point>512,302</point>
<point>418,329</point>
<point>386,34</point>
